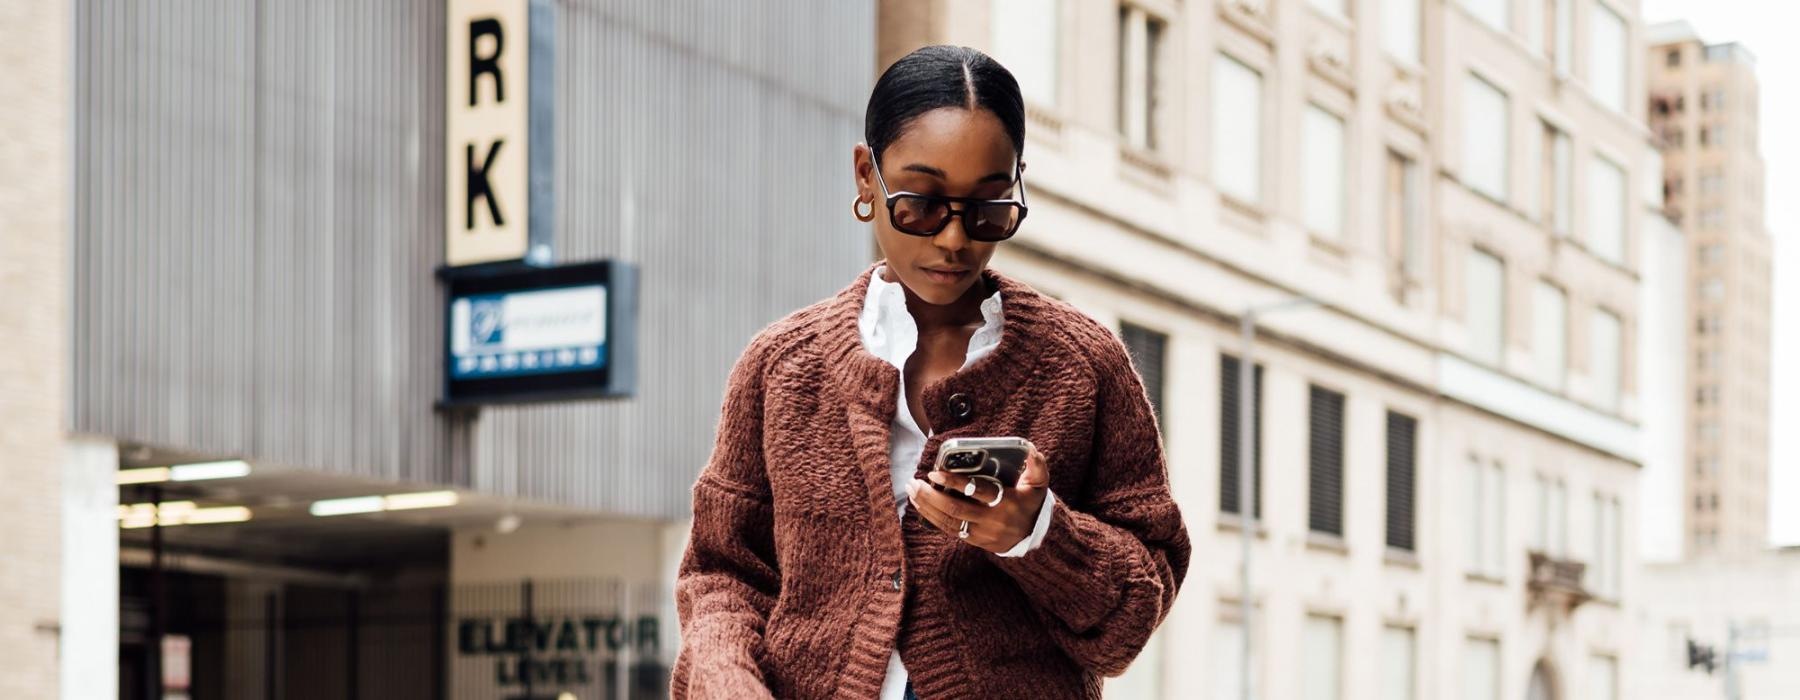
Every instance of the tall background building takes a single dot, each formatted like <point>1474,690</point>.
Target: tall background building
<point>1704,102</point>
<point>1449,441</point>
<point>1717,613</point>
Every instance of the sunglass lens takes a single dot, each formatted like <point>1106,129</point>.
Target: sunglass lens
<point>994,222</point>
<point>918,215</point>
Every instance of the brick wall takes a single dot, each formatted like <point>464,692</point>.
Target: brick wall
<point>34,228</point>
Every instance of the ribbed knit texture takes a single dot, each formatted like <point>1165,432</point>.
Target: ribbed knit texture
<point>787,587</point>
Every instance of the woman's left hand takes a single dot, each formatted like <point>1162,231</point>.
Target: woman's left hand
<point>996,528</point>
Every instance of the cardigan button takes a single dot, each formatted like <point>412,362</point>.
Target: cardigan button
<point>960,406</point>
<point>896,580</point>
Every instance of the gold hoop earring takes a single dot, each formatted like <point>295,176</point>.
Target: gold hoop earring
<point>856,209</point>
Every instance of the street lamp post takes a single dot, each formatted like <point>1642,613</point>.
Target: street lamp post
<point>1246,476</point>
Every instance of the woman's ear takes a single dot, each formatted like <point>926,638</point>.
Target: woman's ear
<point>860,164</point>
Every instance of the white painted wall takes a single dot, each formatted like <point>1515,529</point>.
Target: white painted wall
<point>1663,381</point>
<point>1699,599</point>
<point>626,549</point>
<point>89,653</point>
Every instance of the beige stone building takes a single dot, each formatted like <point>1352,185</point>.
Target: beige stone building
<point>1703,107</point>
<point>1449,441</point>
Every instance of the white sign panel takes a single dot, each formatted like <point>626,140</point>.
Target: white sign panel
<point>543,331</point>
<point>487,149</point>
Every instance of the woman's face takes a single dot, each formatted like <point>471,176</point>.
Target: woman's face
<point>952,152</point>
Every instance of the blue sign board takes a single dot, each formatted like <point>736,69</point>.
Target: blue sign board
<point>523,333</point>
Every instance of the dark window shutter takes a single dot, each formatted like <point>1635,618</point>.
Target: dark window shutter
<point>1228,436</point>
<point>1325,480</point>
<point>1147,347</point>
<point>1402,432</point>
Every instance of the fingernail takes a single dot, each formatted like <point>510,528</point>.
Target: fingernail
<point>935,477</point>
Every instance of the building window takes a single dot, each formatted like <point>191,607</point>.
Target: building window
<point>1487,538</point>
<point>1712,218</point>
<point>1228,437</point>
<point>1604,344</point>
<point>1711,182</point>
<point>1712,254</point>
<point>1147,348</point>
<point>1400,219</point>
<point>1712,136</point>
<point>1026,41</point>
<point>1397,663</point>
<point>1335,8</point>
<point>1674,58</point>
<point>1485,306</point>
<point>1560,15</point>
<point>1606,213</point>
<point>1485,142</point>
<point>1495,13</point>
<point>1400,29</point>
<point>1402,456</point>
<point>1712,99</point>
<point>1712,289</point>
<point>1608,65</point>
<point>1322,178</point>
<point>1322,658</point>
<point>1227,660</point>
<point>1550,533</point>
<point>1549,332</point>
<point>1140,76</point>
<point>1481,670</point>
<point>1325,450</point>
<point>1556,179</point>
<point>1237,129</point>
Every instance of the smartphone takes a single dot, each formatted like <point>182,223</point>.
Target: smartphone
<point>997,459</point>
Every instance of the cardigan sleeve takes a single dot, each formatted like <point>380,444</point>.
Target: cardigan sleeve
<point>728,580</point>
<point>1107,570</point>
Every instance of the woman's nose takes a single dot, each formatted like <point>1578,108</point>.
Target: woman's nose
<point>953,237</point>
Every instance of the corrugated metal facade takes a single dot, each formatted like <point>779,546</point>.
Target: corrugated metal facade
<point>260,203</point>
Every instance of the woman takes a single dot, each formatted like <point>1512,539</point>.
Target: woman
<point>799,581</point>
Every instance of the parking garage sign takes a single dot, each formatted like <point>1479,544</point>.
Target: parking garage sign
<point>526,333</point>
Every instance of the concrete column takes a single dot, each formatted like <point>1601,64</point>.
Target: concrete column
<point>90,570</point>
<point>34,231</point>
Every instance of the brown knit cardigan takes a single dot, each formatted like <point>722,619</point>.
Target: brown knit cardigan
<point>798,580</point>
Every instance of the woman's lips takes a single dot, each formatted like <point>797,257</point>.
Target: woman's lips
<point>944,276</point>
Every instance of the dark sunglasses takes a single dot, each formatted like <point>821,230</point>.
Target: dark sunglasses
<point>985,220</point>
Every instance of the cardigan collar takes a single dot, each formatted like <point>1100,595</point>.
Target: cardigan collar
<point>984,382</point>
<point>865,384</point>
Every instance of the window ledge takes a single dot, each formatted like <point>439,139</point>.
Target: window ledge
<point>1246,210</point>
<point>1403,558</point>
<point>1247,17</point>
<point>1230,522</point>
<point>1490,579</point>
<point>1328,244</point>
<point>1145,166</point>
<point>1047,126</point>
<point>1326,542</point>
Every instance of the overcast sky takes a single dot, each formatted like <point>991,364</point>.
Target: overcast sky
<point>1767,28</point>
